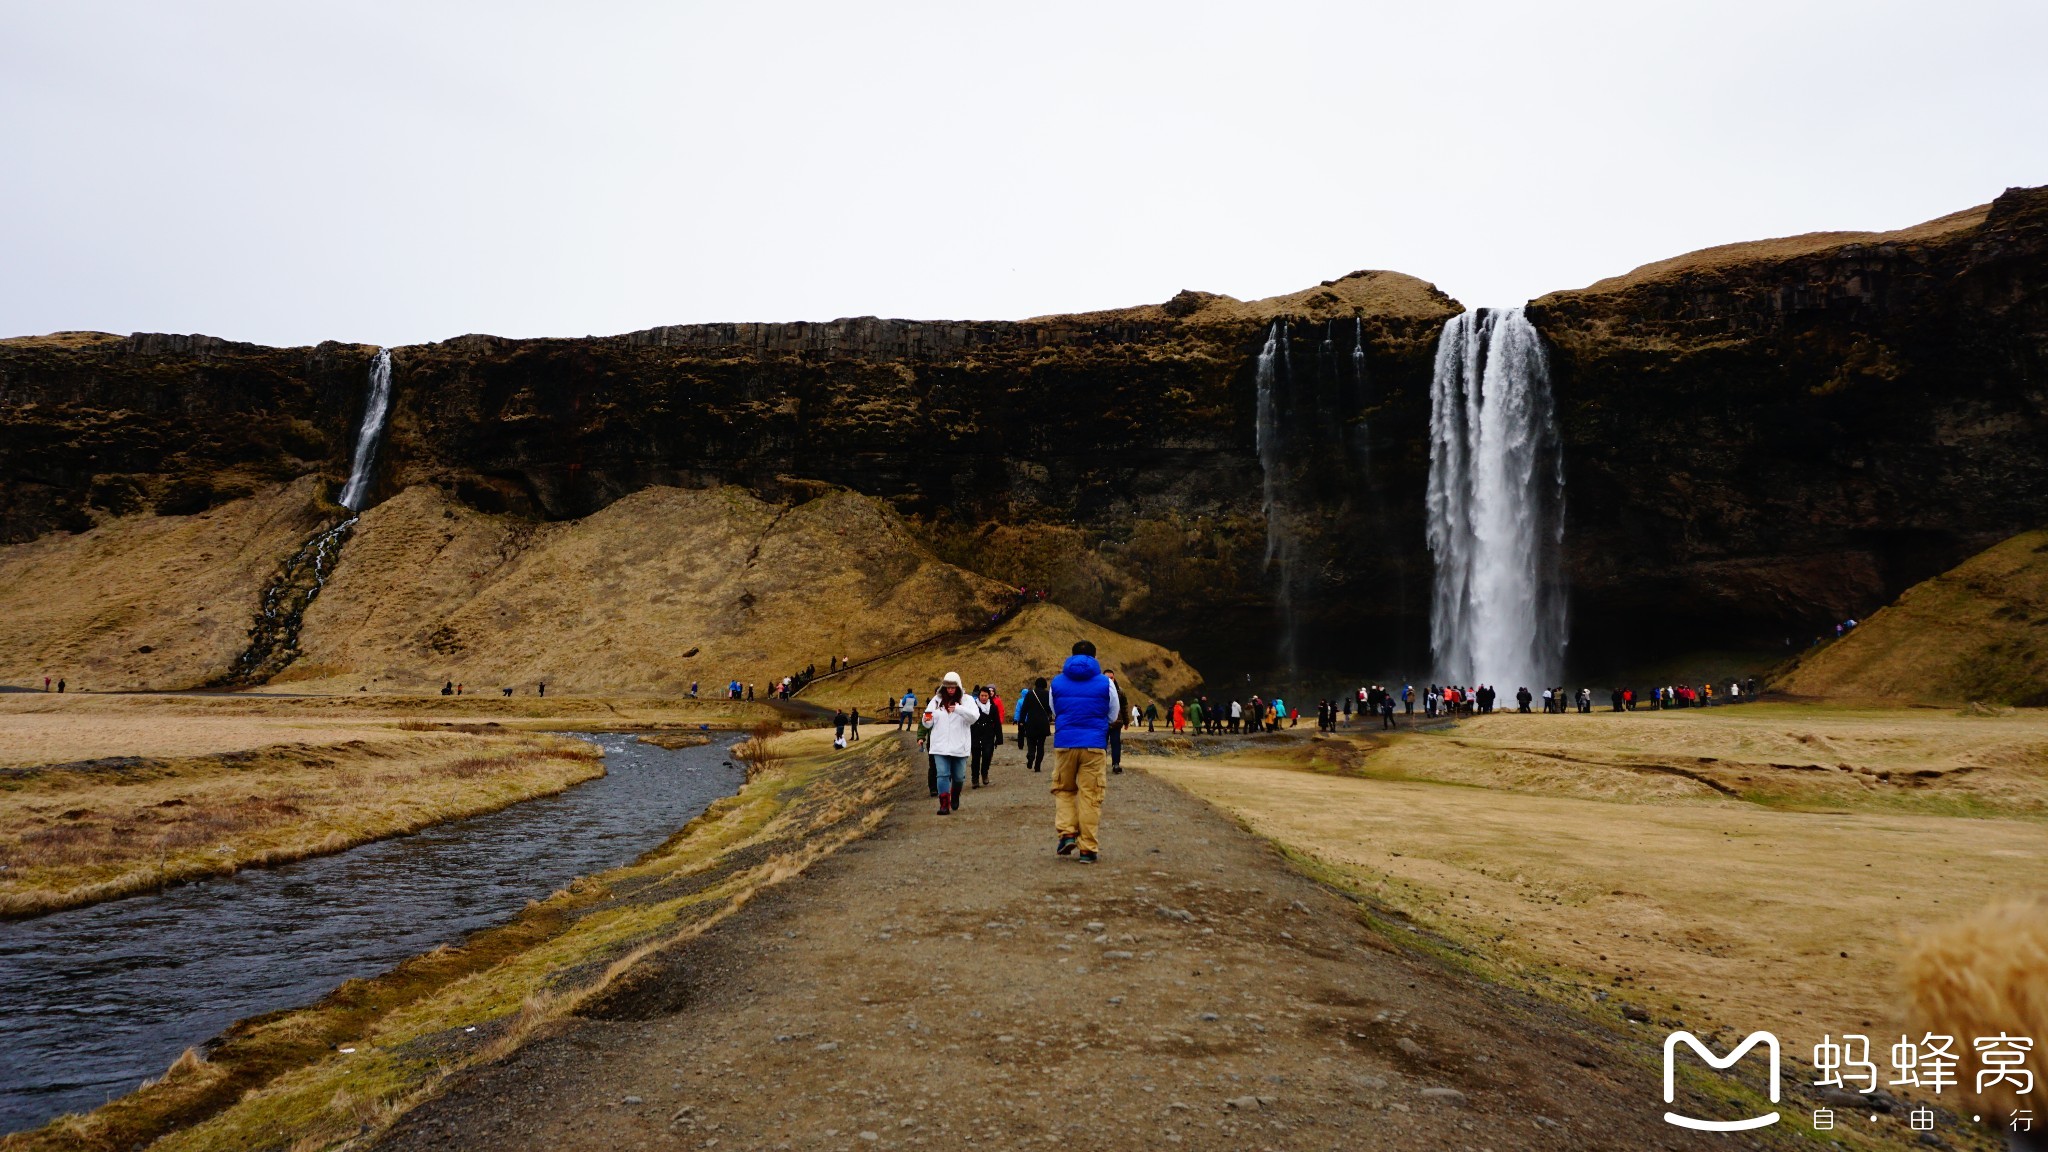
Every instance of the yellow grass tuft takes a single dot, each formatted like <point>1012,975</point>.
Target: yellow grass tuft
<point>1983,976</point>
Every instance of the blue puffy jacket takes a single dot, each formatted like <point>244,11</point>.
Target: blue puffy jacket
<point>1083,699</point>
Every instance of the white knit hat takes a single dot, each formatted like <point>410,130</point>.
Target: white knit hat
<point>952,678</point>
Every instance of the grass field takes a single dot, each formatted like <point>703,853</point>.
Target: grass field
<point>1754,867</point>
<point>104,796</point>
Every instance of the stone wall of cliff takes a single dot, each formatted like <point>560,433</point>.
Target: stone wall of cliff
<point>1766,438</point>
<point>1759,438</point>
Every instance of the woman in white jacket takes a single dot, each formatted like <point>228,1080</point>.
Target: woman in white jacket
<point>951,714</point>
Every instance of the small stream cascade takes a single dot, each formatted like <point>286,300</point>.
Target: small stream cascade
<point>1272,376</point>
<point>299,580</point>
<point>1495,505</point>
<point>1313,461</point>
<point>1359,440</point>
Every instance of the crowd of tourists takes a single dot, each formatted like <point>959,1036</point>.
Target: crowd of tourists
<point>1081,711</point>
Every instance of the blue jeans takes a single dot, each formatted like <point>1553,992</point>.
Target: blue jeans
<point>952,773</point>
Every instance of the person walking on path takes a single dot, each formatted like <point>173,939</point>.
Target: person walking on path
<point>988,732</point>
<point>951,714</point>
<point>839,728</point>
<point>905,708</point>
<point>1034,723</point>
<point>1086,703</point>
<point>1116,732</point>
<point>853,725</point>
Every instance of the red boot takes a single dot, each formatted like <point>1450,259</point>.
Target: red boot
<point>945,803</point>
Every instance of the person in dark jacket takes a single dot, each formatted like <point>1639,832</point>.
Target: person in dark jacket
<point>987,733</point>
<point>1117,721</point>
<point>1034,723</point>
<point>1086,703</point>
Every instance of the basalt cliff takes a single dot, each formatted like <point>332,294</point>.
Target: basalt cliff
<point>1758,439</point>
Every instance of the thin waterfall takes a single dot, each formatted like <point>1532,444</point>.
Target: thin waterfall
<point>1274,370</point>
<point>376,407</point>
<point>1495,505</point>
<point>299,580</point>
<point>1268,433</point>
<point>1360,438</point>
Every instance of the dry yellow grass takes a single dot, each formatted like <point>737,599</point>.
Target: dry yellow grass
<point>1035,642</point>
<point>146,601</point>
<point>1784,756</point>
<point>1545,858</point>
<point>101,829</point>
<point>1785,248</point>
<point>1374,293</point>
<point>1976,632</point>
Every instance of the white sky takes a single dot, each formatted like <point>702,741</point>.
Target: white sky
<point>393,173</point>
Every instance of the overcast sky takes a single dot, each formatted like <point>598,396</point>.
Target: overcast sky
<point>395,173</point>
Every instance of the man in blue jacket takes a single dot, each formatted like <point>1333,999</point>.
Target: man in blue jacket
<point>1086,703</point>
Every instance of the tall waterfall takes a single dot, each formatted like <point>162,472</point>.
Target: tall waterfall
<point>1496,505</point>
<point>302,576</point>
<point>1268,432</point>
<point>376,407</point>
<point>1274,367</point>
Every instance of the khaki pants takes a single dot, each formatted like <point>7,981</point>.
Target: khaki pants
<point>1077,793</point>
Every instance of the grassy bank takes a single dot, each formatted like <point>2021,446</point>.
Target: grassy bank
<point>1721,870</point>
<point>73,834</point>
<point>285,1081</point>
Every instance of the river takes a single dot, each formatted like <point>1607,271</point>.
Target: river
<point>95,1000</point>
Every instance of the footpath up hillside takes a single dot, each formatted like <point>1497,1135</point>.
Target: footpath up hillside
<point>950,983</point>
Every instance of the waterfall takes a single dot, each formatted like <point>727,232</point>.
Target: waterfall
<point>1274,368</point>
<point>1268,433</point>
<point>299,580</point>
<point>1360,439</point>
<point>376,406</point>
<point>1495,505</point>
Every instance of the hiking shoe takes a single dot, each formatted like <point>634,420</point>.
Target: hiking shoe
<point>1086,857</point>
<point>1067,844</point>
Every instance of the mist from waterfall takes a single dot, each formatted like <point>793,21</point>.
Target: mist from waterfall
<point>1495,505</point>
<point>376,407</point>
<point>1274,366</point>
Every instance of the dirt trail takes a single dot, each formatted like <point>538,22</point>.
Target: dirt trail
<point>951,983</point>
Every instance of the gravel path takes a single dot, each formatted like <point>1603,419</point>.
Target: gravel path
<point>950,983</point>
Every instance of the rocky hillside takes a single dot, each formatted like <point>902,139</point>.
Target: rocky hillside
<point>1760,438</point>
<point>1978,632</point>
<point>1108,456</point>
<point>657,589</point>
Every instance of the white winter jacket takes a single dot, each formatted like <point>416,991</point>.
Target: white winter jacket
<point>952,733</point>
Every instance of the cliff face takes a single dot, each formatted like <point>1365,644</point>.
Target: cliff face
<point>1765,438</point>
<point>93,426</point>
<point>1110,457</point>
<point>1759,439</point>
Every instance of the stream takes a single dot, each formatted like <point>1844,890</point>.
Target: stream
<point>95,1000</point>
